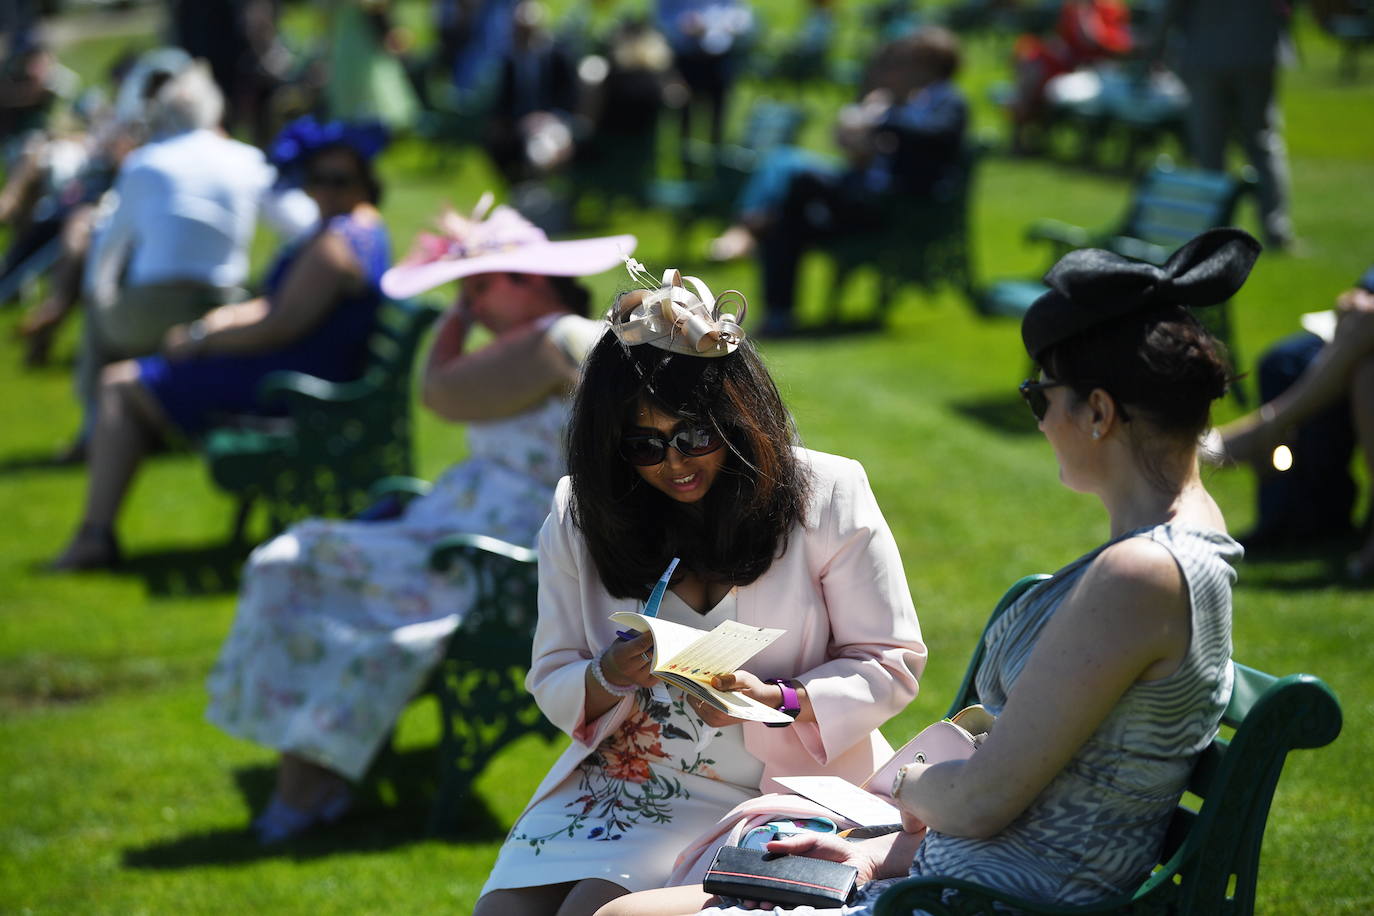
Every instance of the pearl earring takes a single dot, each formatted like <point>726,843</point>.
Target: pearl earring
<point>1097,434</point>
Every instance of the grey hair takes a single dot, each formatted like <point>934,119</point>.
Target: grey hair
<point>188,101</point>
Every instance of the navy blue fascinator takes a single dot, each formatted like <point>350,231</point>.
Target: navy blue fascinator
<point>303,137</point>
<point>1090,287</point>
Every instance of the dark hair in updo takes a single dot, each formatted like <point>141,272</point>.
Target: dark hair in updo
<point>1161,365</point>
<point>632,530</point>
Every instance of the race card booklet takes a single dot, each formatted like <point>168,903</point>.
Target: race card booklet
<point>688,658</point>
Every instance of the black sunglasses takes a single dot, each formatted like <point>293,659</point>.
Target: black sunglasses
<point>1033,393</point>
<point>692,442</point>
<point>328,179</point>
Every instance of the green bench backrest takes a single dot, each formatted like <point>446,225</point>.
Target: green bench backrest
<point>348,435</point>
<point>1172,205</point>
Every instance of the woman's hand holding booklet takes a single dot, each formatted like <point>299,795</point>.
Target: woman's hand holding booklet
<point>690,659</point>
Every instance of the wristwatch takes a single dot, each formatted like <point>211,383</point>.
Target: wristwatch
<point>791,703</point>
<point>196,332</point>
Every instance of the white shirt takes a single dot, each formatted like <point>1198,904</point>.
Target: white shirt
<point>183,208</point>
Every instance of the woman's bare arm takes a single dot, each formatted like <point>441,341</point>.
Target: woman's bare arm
<point>1128,619</point>
<point>512,373</point>
<point>325,272</point>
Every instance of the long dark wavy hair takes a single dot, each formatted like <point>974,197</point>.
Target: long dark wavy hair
<point>733,534</point>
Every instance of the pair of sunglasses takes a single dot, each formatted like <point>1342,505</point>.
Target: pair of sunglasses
<point>1033,393</point>
<point>327,179</point>
<point>692,442</point>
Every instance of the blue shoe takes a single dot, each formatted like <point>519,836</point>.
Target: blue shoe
<point>280,822</point>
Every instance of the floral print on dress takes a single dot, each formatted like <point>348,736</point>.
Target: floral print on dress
<point>340,621</point>
<point>631,779</point>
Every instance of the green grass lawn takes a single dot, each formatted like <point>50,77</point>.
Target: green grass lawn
<point>116,796</point>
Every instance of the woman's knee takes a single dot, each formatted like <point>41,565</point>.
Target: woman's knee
<point>523,901</point>
<point>119,375</point>
<point>76,230</point>
<point>590,895</point>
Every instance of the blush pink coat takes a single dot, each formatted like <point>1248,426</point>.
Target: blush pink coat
<point>839,591</point>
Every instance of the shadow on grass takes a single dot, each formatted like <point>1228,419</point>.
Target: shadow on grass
<point>182,571</point>
<point>1311,565</point>
<point>207,569</point>
<point>390,812</point>
<point>1004,413</point>
<point>21,462</point>
<point>49,460</point>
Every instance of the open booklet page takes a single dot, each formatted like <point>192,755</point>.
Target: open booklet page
<point>688,658</point>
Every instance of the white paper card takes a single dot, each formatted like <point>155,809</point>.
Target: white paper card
<point>844,798</point>
<point>1323,324</point>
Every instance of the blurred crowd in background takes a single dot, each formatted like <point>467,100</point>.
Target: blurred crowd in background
<point>575,106</point>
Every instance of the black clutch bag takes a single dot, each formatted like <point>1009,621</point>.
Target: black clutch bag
<point>751,874</point>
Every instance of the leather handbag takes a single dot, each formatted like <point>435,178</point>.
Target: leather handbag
<point>949,739</point>
<point>751,874</point>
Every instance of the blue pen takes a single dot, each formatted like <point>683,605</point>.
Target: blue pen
<point>655,599</point>
<point>660,691</point>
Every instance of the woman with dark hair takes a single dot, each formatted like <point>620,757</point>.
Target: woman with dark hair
<point>680,447</point>
<point>315,315</point>
<point>1110,677</point>
<point>339,622</point>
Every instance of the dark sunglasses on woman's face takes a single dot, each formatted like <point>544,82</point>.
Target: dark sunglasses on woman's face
<point>328,179</point>
<point>693,442</point>
<point>1033,393</point>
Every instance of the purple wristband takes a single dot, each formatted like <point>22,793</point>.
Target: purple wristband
<point>791,703</point>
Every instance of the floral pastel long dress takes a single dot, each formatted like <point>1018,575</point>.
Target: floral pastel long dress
<point>340,621</point>
<point>651,786</point>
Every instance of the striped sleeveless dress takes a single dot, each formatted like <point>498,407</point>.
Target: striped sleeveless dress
<point>1096,829</point>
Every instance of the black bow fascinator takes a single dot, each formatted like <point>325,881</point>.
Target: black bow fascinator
<point>1090,287</point>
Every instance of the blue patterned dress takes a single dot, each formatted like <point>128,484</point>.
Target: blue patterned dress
<point>193,392</point>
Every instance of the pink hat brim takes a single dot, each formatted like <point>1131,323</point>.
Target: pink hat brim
<point>576,258</point>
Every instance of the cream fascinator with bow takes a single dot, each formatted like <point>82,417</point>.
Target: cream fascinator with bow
<point>679,315</point>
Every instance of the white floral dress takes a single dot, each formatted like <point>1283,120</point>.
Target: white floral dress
<point>651,786</point>
<point>340,621</point>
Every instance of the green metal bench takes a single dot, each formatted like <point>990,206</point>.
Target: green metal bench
<point>336,439</point>
<point>724,171</point>
<point>1209,862</point>
<point>923,241</point>
<point>480,684</point>
<point>1350,22</point>
<point>1168,207</point>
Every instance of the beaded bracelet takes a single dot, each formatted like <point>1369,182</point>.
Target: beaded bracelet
<point>897,781</point>
<point>614,690</point>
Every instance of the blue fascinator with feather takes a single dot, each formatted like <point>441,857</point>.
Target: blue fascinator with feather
<point>305,136</point>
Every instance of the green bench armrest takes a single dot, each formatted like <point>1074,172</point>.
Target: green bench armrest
<point>287,386</point>
<point>1060,234</point>
<point>455,545</point>
<point>399,485</point>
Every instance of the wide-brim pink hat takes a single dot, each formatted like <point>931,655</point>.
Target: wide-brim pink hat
<point>499,241</point>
